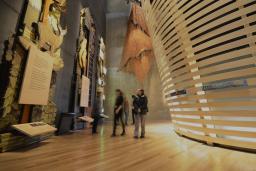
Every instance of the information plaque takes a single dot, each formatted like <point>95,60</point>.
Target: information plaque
<point>86,119</point>
<point>37,78</point>
<point>34,129</point>
<point>84,98</point>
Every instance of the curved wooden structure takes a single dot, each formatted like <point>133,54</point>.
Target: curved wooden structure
<point>206,54</point>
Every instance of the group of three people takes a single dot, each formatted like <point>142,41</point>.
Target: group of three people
<point>139,111</point>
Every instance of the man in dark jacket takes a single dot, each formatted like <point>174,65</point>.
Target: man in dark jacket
<point>141,105</point>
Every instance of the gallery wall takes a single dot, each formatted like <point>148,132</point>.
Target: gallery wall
<point>117,16</point>
<point>98,11</point>
<point>11,11</point>
<point>117,22</point>
<point>71,20</point>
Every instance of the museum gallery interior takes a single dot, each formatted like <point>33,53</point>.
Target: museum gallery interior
<point>177,76</point>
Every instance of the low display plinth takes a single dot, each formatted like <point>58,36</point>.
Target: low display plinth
<point>14,141</point>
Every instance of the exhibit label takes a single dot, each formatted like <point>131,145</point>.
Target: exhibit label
<point>84,98</point>
<point>37,78</point>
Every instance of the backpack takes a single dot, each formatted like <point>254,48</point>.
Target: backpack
<point>143,104</point>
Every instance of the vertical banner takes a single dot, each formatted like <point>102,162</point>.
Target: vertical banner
<point>37,78</point>
<point>84,98</point>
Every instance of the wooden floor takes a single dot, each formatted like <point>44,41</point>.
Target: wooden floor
<point>161,150</point>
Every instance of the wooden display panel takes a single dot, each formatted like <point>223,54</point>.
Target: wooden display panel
<point>34,129</point>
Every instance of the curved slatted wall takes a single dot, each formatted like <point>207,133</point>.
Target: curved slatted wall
<point>206,55</point>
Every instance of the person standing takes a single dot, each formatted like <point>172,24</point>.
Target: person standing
<point>141,106</point>
<point>126,111</point>
<point>133,117</point>
<point>118,112</point>
<point>134,107</point>
<point>98,111</point>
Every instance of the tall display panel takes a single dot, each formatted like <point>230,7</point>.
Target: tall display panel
<point>30,64</point>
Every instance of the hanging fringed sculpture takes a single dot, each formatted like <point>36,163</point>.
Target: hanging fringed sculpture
<point>137,54</point>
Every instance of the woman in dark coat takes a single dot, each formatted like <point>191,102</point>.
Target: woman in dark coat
<point>118,112</point>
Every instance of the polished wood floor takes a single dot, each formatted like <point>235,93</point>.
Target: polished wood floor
<point>161,150</point>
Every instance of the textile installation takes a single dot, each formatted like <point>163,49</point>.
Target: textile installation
<point>137,55</point>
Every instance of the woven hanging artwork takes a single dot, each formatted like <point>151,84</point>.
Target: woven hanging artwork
<point>137,54</point>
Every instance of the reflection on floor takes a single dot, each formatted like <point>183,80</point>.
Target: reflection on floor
<point>161,150</point>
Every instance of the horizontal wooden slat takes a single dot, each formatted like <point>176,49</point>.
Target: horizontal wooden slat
<point>245,134</point>
<point>238,93</point>
<point>241,113</point>
<point>216,77</point>
<point>217,122</point>
<point>215,68</point>
<point>235,143</point>
<point>216,104</point>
